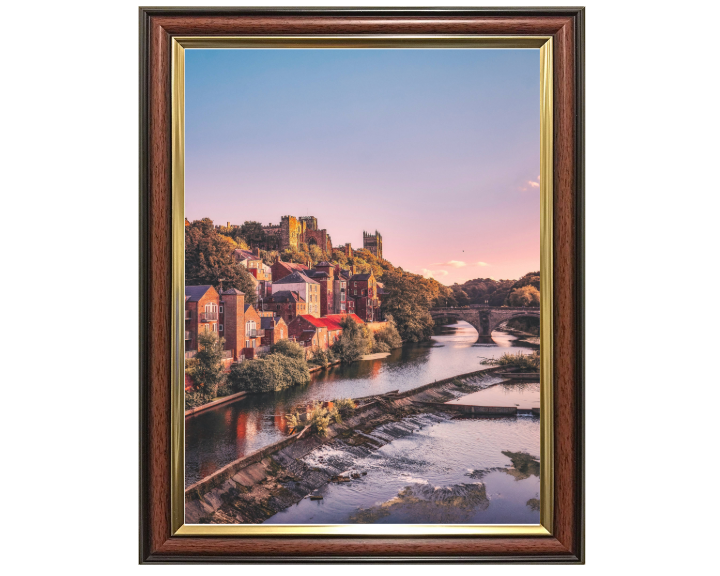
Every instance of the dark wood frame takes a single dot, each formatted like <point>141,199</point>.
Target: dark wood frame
<point>157,27</point>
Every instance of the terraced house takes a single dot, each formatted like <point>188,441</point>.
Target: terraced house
<point>307,288</point>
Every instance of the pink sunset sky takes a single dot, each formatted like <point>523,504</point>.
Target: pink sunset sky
<point>438,150</point>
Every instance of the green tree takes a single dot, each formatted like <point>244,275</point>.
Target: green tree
<point>270,374</point>
<point>209,258</point>
<point>253,233</point>
<point>407,300</point>
<point>206,368</point>
<point>462,297</point>
<point>523,297</point>
<point>288,348</point>
<point>388,337</point>
<point>356,341</point>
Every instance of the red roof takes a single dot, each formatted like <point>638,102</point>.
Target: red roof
<point>291,266</point>
<point>331,322</point>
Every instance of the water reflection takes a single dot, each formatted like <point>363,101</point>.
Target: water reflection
<point>217,437</point>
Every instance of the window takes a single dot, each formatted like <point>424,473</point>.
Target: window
<point>355,292</point>
<point>221,327</point>
<point>221,310</point>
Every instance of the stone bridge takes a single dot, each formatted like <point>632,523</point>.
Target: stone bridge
<point>484,319</point>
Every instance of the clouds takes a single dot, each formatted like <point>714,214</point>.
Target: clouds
<point>482,264</point>
<point>451,263</point>
<point>531,185</point>
<point>433,273</point>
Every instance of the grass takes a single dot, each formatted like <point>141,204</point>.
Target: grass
<point>523,362</point>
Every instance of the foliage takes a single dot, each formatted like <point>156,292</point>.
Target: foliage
<point>288,348</point>
<point>356,341</point>
<point>270,374</point>
<point>524,362</point>
<point>345,405</point>
<point>525,324</point>
<point>194,399</point>
<point>317,418</point>
<point>253,233</point>
<point>388,337</point>
<point>209,258</point>
<point>206,368</point>
<point>407,299</point>
<point>527,296</point>
<point>491,291</point>
<point>322,358</point>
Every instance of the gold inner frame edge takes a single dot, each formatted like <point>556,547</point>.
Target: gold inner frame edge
<point>177,418</point>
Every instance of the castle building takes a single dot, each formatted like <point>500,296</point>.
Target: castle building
<point>373,243</point>
<point>292,231</point>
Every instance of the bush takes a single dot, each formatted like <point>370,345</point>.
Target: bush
<point>525,362</point>
<point>380,347</point>
<point>345,405</point>
<point>527,296</point>
<point>322,358</point>
<point>355,342</point>
<point>206,368</point>
<point>270,374</point>
<point>318,419</point>
<point>288,348</point>
<point>193,400</point>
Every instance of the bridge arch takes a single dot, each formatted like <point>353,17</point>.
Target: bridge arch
<point>485,319</point>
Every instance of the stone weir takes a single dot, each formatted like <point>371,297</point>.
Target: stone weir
<point>257,486</point>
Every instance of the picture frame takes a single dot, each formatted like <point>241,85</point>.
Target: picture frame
<point>163,33</point>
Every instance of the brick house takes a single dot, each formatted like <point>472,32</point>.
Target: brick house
<point>232,321</point>
<point>362,289</point>
<point>310,332</point>
<point>307,288</point>
<point>332,323</point>
<point>281,269</point>
<point>274,329</point>
<point>324,274</point>
<point>202,305</point>
<point>253,332</point>
<point>287,304</point>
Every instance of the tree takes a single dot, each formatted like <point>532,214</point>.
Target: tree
<point>209,258</point>
<point>356,341</point>
<point>407,300</point>
<point>523,297</point>
<point>288,348</point>
<point>253,233</point>
<point>388,337</point>
<point>270,374</point>
<point>206,368</point>
<point>462,297</point>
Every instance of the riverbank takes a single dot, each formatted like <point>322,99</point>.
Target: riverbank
<point>214,403</point>
<point>254,488</point>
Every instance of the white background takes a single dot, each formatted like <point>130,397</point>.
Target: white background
<point>70,288</point>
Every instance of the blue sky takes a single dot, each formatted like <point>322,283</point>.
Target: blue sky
<point>436,149</point>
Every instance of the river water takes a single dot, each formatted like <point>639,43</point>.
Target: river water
<point>434,471</point>
<point>217,437</point>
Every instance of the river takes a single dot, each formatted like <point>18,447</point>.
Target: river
<point>216,437</point>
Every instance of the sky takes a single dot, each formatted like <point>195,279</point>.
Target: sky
<point>438,150</point>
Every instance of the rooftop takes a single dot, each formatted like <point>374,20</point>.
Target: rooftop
<point>284,296</point>
<point>194,293</point>
<point>296,278</point>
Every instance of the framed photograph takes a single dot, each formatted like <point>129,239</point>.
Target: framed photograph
<point>361,285</point>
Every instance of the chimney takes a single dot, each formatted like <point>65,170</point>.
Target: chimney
<point>256,251</point>
<point>228,224</point>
